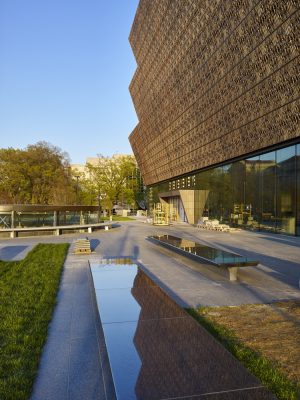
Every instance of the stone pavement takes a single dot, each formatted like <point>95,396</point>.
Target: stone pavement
<point>73,364</point>
<point>191,283</point>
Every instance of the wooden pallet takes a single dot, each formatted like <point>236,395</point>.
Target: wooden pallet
<point>82,246</point>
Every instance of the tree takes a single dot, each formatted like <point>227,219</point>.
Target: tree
<point>12,182</point>
<point>112,180</point>
<point>40,174</point>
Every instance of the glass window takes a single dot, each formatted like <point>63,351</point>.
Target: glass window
<point>27,219</point>
<point>298,188</point>
<point>203,185</point>
<point>238,181</point>
<point>227,212</point>
<point>286,190</point>
<point>5,220</point>
<point>268,191</point>
<point>261,192</point>
<point>216,193</point>
<point>252,206</point>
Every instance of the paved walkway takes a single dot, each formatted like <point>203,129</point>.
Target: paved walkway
<point>193,284</point>
<point>73,364</point>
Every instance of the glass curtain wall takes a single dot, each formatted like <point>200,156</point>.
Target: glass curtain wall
<point>5,220</point>
<point>77,218</point>
<point>268,191</point>
<point>261,192</point>
<point>286,190</point>
<point>34,219</point>
<point>298,190</point>
<point>228,195</point>
<point>238,183</point>
<point>253,207</point>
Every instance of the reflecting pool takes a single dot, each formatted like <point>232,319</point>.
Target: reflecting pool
<point>215,256</point>
<point>156,350</point>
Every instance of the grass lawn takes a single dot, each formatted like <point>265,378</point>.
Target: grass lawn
<point>118,218</point>
<point>264,337</point>
<point>28,291</point>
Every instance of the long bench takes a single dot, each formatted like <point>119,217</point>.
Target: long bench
<point>200,252</point>
<point>57,230</point>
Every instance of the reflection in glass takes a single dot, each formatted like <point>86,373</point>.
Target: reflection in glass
<point>298,188</point>
<point>215,198</point>
<point>260,192</point>
<point>5,220</point>
<point>238,181</point>
<point>286,190</point>
<point>227,212</point>
<point>33,219</point>
<point>207,253</point>
<point>203,180</point>
<point>252,205</point>
<point>268,185</point>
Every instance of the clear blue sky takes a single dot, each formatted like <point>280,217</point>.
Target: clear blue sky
<point>65,68</point>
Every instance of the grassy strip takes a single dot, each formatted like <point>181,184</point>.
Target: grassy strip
<point>118,218</point>
<point>4,267</point>
<point>28,291</point>
<point>259,366</point>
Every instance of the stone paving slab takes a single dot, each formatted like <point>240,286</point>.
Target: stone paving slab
<point>70,366</point>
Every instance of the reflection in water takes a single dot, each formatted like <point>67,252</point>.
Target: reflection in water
<point>163,352</point>
<point>211,254</point>
<point>153,301</point>
<point>177,356</point>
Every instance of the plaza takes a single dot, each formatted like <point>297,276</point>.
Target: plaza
<point>73,361</point>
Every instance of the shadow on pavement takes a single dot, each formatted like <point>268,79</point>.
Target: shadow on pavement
<point>8,253</point>
<point>94,244</point>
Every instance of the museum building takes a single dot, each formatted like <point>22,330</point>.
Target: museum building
<point>217,95</point>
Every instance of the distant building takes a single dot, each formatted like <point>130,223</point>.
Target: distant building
<point>217,94</point>
<point>82,168</point>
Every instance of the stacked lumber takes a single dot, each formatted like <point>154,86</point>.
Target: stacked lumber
<point>82,246</point>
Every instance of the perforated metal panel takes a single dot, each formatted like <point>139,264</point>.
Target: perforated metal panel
<point>215,80</point>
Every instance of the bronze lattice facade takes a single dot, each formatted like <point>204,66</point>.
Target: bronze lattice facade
<point>216,80</point>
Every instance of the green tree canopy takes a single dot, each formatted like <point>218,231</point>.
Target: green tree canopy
<point>113,180</point>
<point>40,174</point>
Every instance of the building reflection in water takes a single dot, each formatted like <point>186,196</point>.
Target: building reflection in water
<point>156,350</point>
<point>177,356</point>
